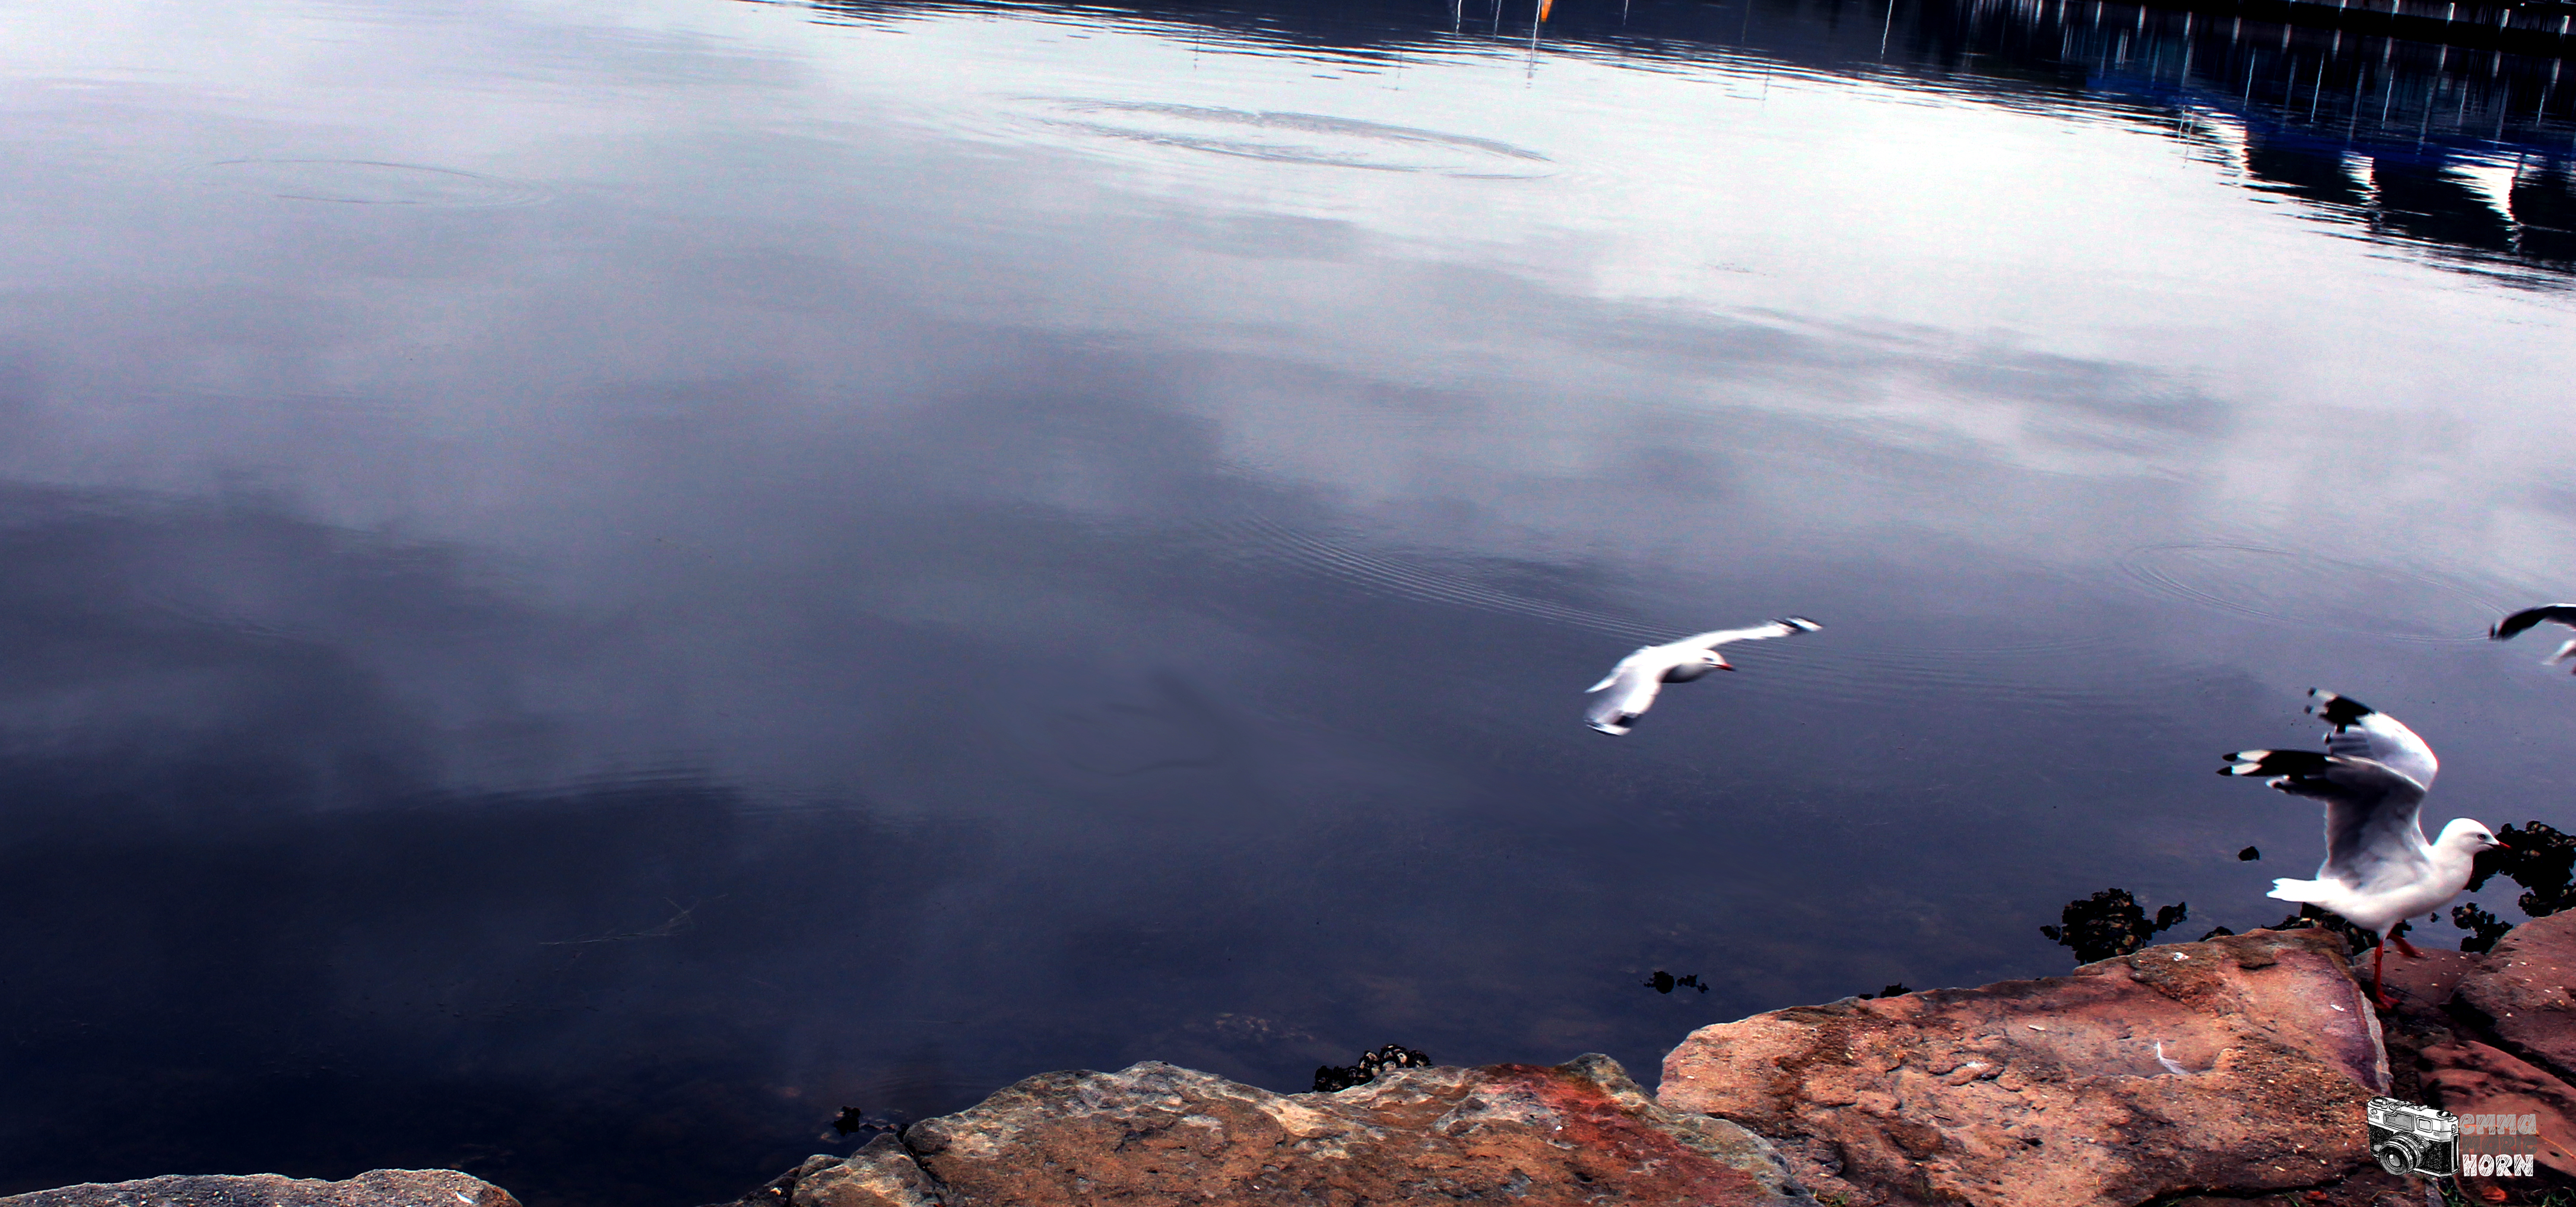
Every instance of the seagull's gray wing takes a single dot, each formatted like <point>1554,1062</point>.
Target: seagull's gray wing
<point>2374,837</point>
<point>2512,626</point>
<point>1628,691</point>
<point>1640,654</point>
<point>2363,732</point>
<point>1783,627</point>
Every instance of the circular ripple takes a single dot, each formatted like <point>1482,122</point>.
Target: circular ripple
<point>1297,138</point>
<point>368,182</point>
<point>2311,591</point>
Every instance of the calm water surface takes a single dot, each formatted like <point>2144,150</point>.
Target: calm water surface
<point>589,584</point>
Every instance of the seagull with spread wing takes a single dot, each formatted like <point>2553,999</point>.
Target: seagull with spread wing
<point>1631,685</point>
<point>2512,626</point>
<point>2373,775</point>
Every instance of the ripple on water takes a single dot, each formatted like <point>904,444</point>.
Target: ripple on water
<point>1120,739</point>
<point>1410,576</point>
<point>370,182</point>
<point>2319,593</point>
<point>1872,661</point>
<point>1293,138</point>
<point>1853,659</point>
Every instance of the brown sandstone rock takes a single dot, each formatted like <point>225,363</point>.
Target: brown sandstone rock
<point>2525,993</point>
<point>880,1175</point>
<point>1155,1134</point>
<point>2424,981</point>
<point>2471,1078</point>
<point>2049,1093</point>
<point>1578,1133</point>
<point>379,1188</point>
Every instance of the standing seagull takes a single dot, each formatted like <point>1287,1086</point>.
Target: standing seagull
<point>2512,626</point>
<point>1634,682</point>
<point>2372,777</point>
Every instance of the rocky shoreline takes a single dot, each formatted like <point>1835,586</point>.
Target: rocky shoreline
<point>2229,1072</point>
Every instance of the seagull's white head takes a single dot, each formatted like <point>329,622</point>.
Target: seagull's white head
<point>2466,837</point>
<point>1703,663</point>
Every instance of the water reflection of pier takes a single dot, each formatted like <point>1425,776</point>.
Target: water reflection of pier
<point>2520,214</point>
<point>2462,152</point>
<point>2535,25</point>
<point>2466,154</point>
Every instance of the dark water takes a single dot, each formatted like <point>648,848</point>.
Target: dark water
<point>591,584</point>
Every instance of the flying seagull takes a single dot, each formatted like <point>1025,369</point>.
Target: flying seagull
<point>2373,777</point>
<point>2512,626</point>
<point>1632,684</point>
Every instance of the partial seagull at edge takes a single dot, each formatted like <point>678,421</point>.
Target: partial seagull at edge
<point>2373,776</point>
<point>1630,687</point>
<point>2513,626</point>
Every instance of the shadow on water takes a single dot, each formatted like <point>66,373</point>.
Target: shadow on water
<point>267,938</point>
<point>348,990</point>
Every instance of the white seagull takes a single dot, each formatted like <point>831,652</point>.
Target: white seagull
<point>2373,775</point>
<point>2512,626</point>
<point>1633,683</point>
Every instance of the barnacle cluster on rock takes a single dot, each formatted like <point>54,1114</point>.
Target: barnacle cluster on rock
<point>1329,1078</point>
<point>2110,923</point>
<point>2485,928</point>
<point>1665,982</point>
<point>2538,858</point>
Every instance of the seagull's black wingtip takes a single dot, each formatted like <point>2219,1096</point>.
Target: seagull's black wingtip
<point>2281,763</point>
<point>2513,626</point>
<point>2336,709</point>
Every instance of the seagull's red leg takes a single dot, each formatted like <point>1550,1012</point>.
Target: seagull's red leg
<point>2405,948</point>
<point>2379,984</point>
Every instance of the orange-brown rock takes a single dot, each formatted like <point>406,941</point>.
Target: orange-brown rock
<point>2051,1093</point>
<point>2471,1079</point>
<point>2427,980</point>
<point>2525,993</point>
<point>1155,1134</point>
<point>881,1174</point>
<point>380,1188</point>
